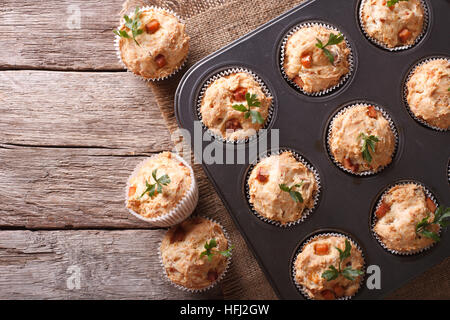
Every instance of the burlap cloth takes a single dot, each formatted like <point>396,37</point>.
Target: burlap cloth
<point>212,24</point>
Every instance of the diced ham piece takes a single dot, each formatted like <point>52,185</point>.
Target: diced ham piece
<point>233,124</point>
<point>430,205</point>
<point>160,60</point>
<point>239,94</point>
<point>372,112</point>
<point>321,249</point>
<point>152,26</point>
<point>131,191</point>
<point>382,210</point>
<point>328,295</point>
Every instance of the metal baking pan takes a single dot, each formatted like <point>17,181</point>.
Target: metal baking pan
<point>347,202</point>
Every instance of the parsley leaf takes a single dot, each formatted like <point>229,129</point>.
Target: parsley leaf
<point>332,273</point>
<point>440,217</point>
<point>252,101</point>
<point>368,142</point>
<point>332,40</point>
<point>150,188</point>
<point>295,195</point>
<point>351,274</point>
<point>209,246</point>
<point>346,253</point>
<point>164,180</point>
<point>133,24</point>
<point>392,3</point>
<point>442,214</point>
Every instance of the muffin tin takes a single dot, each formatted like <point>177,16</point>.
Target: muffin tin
<point>347,201</point>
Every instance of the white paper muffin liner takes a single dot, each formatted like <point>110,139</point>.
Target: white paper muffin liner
<point>405,91</point>
<point>181,211</point>
<point>399,48</point>
<point>375,219</point>
<point>307,211</point>
<point>344,77</point>
<point>391,126</point>
<point>448,171</point>
<point>228,72</point>
<point>119,56</point>
<point>325,235</point>
<point>219,278</point>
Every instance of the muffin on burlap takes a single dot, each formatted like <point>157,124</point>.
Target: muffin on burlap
<point>158,46</point>
<point>162,189</point>
<point>195,253</point>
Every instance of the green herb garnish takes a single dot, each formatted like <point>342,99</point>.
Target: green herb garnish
<point>133,24</point>
<point>392,3</point>
<point>252,101</point>
<point>297,196</point>
<point>368,142</point>
<point>164,180</point>
<point>332,40</point>
<point>209,252</point>
<point>349,273</point>
<point>439,217</point>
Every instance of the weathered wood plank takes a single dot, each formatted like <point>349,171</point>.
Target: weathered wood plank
<point>70,35</point>
<point>47,34</point>
<point>49,188</point>
<point>111,265</point>
<point>89,109</point>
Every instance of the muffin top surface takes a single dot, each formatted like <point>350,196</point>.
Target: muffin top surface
<point>349,132</point>
<point>181,252</point>
<point>316,257</point>
<point>428,93</point>
<point>174,178</point>
<point>266,183</point>
<point>308,66</point>
<point>394,26</point>
<point>225,92</point>
<point>163,45</point>
<point>402,208</point>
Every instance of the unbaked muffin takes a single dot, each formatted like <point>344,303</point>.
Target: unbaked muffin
<point>159,184</point>
<point>398,214</point>
<point>353,134</point>
<point>314,69</point>
<point>160,47</point>
<point>393,26</point>
<point>281,188</point>
<point>182,253</point>
<point>320,271</point>
<point>428,94</point>
<point>225,103</point>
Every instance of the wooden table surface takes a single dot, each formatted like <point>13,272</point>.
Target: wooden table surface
<point>73,126</point>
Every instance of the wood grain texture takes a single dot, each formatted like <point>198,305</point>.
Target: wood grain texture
<point>89,109</point>
<point>49,188</point>
<point>68,141</point>
<point>112,264</point>
<point>47,35</point>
